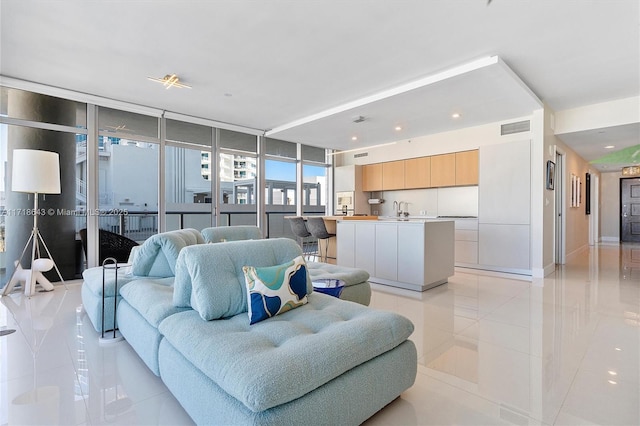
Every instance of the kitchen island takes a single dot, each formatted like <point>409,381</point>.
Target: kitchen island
<point>411,254</point>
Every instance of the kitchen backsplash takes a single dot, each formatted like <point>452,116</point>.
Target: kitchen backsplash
<point>458,201</point>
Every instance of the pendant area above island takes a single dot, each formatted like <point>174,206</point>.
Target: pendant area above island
<point>415,254</point>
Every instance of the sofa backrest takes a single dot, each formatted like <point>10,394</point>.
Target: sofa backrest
<point>157,256</point>
<point>231,233</point>
<point>209,277</point>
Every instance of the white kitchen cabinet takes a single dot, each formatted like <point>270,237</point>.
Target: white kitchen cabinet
<point>415,255</point>
<point>505,183</point>
<point>504,242</point>
<point>505,246</point>
<point>346,250</point>
<point>466,241</point>
<point>365,247</point>
<point>386,265</point>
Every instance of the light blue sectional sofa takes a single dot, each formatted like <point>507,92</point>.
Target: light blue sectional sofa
<point>157,260</point>
<point>327,362</point>
<point>220,234</point>
<point>158,256</point>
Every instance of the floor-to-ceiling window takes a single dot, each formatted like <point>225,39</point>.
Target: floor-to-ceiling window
<point>315,184</point>
<point>280,185</point>
<point>210,176</point>
<point>188,183</point>
<point>238,173</point>
<point>128,150</point>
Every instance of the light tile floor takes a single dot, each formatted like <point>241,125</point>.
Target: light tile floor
<point>492,350</point>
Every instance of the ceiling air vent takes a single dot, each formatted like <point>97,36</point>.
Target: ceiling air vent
<point>518,127</point>
<point>359,119</point>
<point>362,154</point>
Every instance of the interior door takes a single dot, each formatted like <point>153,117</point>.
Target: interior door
<point>630,210</point>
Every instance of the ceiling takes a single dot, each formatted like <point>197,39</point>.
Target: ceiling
<point>266,64</point>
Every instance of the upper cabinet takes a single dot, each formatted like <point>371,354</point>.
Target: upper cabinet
<point>467,167</point>
<point>454,169</point>
<point>372,177</point>
<point>393,175</point>
<point>417,173</point>
<point>443,170</point>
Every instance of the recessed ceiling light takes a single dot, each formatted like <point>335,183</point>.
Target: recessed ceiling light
<point>613,382</point>
<point>169,81</point>
<point>613,373</point>
<point>618,349</point>
<point>455,115</point>
<point>354,138</point>
<point>609,147</point>
<point>398,128</point>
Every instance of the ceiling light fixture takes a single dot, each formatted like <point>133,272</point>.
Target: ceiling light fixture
<point>398,128</point>
<point>354,138</point>
<point>416,84</point>
<point>609,147</point>
<point>169,81</point>
<point>361,149</point>
<point>455,115</point>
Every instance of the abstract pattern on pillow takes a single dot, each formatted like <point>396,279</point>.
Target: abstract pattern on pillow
<point>273,290</point>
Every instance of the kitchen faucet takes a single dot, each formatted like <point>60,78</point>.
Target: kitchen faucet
<point>397,206</point>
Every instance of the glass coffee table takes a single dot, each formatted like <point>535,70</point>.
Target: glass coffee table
<point>331,287</point>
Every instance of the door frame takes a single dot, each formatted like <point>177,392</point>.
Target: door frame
<point>594,216</point>
<point>560,207</point>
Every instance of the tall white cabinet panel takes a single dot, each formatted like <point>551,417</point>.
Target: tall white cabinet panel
<point>505,183</point>
<point>505,246</point>
<point>504,213</point>
<point>387,253</point>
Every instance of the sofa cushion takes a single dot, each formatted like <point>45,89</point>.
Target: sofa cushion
<point>273,362</point>
<point>325,271</point>
<point>157,256</point>
<point>153,299</point>
<point>273,290</point>
<point>93,280</point>
<point>209,277</point>
<point>231,233</point>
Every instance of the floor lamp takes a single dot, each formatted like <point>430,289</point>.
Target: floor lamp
<point>36,172</point>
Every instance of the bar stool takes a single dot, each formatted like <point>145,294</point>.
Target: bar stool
<point>301,232</point>
<point>317,228</point>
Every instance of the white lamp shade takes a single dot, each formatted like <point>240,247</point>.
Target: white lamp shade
<point>36,171</point>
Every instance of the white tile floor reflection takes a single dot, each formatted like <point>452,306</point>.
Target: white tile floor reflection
<point>492,350</point>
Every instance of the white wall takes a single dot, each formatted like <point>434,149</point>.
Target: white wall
<point>610,206</point>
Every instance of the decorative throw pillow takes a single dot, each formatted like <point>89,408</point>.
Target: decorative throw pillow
<point>273,290</point>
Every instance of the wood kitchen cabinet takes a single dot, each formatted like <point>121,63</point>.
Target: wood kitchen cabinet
<point>467,168</point>
<point>393,175</point>
<point>417,173</point>
<point>372,177</point>
<point>443,170</point>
